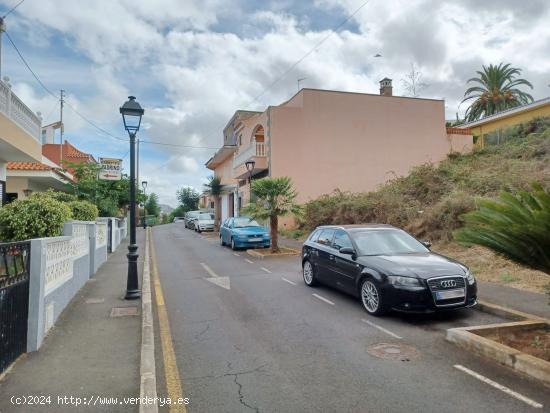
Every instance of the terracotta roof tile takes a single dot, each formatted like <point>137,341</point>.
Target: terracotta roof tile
<point>28,166</point>
<point>73,152</point>
<point>36,166</point>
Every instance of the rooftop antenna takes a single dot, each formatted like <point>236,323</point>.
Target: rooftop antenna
<point>299,80</point>
<point>3,29</point>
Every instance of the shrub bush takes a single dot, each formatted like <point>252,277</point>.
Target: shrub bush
<point>439,221</point>
<point>83,210</point>
<point>57,195</point>
<point>33,217</point>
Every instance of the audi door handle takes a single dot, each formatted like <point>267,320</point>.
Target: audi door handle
<point>331,257</point>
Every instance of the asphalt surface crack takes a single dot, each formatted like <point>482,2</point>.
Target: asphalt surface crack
<point>240,386</point>
<point>199,335</point>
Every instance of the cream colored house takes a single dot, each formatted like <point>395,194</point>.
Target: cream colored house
<point>24,178</point>
<point>326,140</point>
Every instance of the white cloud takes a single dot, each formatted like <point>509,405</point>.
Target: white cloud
<point>191,74</point>
<point>182,164</point>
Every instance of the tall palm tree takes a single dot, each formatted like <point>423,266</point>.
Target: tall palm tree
<point>274,197</point>
<point>215,189</point>
<point>496,90</point>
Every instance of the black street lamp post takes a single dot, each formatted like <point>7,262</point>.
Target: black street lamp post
<point>250,168</point>
<point>144,185</point>
<point>131,113</point>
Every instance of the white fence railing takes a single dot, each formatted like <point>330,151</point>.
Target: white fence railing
<point>254,149</point>
<point>59,263</point>
<point>100,234</point>
<point>17,111</point>
<point>80,241</point>
<point>60,266</point>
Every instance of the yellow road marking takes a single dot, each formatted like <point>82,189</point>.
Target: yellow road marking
<point>171,373</point>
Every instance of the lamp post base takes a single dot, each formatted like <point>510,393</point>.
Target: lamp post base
<point>132,287</point>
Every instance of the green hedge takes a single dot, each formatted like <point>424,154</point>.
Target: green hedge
<point>43,214</point>
<point>83,210</point>
<point>33,217</point>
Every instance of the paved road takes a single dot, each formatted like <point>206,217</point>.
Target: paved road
<point>250,336</point>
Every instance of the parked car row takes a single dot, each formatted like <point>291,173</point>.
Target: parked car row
<point>201,220</point>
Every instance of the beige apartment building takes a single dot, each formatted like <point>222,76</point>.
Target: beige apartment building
<point>326,140</point>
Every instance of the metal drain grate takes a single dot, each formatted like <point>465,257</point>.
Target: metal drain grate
<point>399,352</point>
<point>124,311</point>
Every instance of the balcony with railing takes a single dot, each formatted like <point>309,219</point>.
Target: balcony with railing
<point>256,151</point>
<point>21,127</point>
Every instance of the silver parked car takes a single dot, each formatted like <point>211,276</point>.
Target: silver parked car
<point>204,222</point>
<point>190,218</point>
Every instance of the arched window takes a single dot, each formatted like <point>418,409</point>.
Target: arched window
<point>258,134</point>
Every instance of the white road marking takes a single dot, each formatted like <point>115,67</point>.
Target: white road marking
<point>266,270</point>
<point>288,281</point>
<point>322,299</point>
<point>248,261</point>
<point>500,387</point>
<point>370,323</point>
<point>209,270</point>
<point>223,282</point>
<point>236,255</point>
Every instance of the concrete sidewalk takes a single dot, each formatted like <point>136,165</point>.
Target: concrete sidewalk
<point>524,301</point>
<point>88,353</point>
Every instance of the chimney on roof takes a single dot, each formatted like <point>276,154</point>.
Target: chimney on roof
<point>386,88</point>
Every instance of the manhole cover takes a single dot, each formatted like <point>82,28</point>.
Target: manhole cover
<point>95,300</point>
<point>124,311</point>
<point>399,352</point>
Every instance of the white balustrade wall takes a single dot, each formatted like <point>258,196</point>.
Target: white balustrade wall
<point>14,108</point>
<point>60,266</point>
<point>100,234</point>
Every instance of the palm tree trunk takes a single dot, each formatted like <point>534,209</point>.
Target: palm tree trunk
<point>274,223</point>
<point>217,213</point>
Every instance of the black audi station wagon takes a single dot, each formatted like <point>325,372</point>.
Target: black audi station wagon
<point>387,268</point>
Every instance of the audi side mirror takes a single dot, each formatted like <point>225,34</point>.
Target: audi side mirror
<point>427,244</point>
<point>347,251</point>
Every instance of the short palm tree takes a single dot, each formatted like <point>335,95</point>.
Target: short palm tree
<point>517,227</point>
<point>275,197</point>
<point>496,90</point>
<point>215,189</point>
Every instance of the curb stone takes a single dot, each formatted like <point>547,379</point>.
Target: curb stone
<point>473,339</point>
<point>505,312</point>
<point>261,256</point>
<point>148,382</point>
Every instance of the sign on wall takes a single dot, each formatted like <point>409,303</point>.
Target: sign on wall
<point>111,169</point>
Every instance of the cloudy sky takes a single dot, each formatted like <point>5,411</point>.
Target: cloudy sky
<point>193,63</point>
